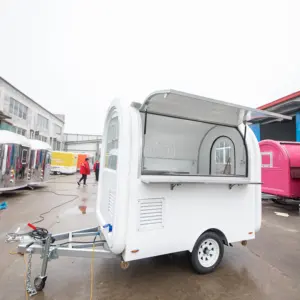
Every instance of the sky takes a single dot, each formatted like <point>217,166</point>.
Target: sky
<point>74,57</point>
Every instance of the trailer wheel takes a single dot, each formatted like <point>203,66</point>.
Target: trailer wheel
<point>39,283</point>
<point>207,253</point>
<point>281,202</point>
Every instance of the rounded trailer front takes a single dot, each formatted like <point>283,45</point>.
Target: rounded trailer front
<point>40,162</point>
<point>14,158</point>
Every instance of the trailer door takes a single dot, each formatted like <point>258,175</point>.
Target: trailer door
<point>109,175</point>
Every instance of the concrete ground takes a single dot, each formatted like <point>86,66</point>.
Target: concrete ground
<point>268,268</point>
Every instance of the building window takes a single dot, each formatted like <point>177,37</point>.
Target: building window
<point>41,138</point>
<point>57,129</point>
<point>18,130</point>
<point>11,105</point>
<point>111,157</point>
<point>223,153</point>
<point>42,122</point>
<point>18,109</point>
<point>25,112</point>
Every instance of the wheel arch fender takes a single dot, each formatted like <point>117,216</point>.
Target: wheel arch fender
<point>217,231</point>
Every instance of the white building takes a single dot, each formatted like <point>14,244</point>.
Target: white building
<point>21,114</point>
<point>83,143</point>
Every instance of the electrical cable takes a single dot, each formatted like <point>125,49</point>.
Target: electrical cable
<point>39,233</point>
<point>41,216</point>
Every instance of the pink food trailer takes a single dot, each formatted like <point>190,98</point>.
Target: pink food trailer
<point>280,168</point>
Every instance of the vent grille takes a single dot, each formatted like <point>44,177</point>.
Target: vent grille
<point>111,202</point>
<point>151,213</point>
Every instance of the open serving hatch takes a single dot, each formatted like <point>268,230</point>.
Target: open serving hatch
<point>192,107</point>
<point>194,150</point>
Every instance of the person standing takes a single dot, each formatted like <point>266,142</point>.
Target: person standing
<point>84,171</point>
<point>96,169</point>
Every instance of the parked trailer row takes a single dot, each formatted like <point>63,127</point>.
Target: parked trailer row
<point>23,162</point>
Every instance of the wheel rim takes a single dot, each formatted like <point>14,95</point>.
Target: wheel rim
<point>208,253</point>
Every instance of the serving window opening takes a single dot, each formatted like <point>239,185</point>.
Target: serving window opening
<point>177,146</point>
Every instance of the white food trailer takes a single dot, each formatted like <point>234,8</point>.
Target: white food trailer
<point>179,172</point>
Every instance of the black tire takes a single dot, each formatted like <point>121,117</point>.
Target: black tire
<point>198,256</point>
<point>39,283</point>
<point>278,201</point>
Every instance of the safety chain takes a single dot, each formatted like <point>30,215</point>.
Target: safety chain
<point>30,289</point>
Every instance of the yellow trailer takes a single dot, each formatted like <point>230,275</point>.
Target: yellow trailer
<point>63,162</point>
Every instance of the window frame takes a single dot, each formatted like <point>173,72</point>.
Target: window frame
<point>17,108</point>
<point>42,122</point>
<point>48,158</point>
<point>224,152</point>
<point>20,114</point>
<point>25,111</point>
<point>270,154</point>
<point>144,114</point>
<point>57,129</point>
<point>11,105</point>
<point>115,141</point>
<point>26,158</point>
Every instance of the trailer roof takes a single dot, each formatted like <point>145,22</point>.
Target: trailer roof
<point>8,137</point>
<point>188,106</point>
<point>39,145</point>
